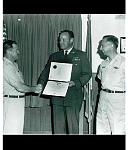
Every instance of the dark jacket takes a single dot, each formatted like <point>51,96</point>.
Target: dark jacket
<point>81,74</point>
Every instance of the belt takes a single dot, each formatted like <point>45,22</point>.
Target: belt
<point>110,91</point>
<point>14,96</point>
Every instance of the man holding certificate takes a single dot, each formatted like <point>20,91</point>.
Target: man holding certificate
<point>66,108</point>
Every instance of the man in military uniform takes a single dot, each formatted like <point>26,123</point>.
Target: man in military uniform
<point>14,90</point>
<point>111,107</point>
<point>65,110</point>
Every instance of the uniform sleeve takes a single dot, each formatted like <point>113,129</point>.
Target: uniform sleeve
<point>43,78</point>
<point>86,71</point>
<point>11,76</point>
<point>99,72</point>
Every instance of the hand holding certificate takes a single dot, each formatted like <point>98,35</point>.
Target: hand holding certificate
<point>59,77</point>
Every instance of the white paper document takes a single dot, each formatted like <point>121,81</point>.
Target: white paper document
<point>59,76</point>
<point>56,88</point>
<point>60,71</point>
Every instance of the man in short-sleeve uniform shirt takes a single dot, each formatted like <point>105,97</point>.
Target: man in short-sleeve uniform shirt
<point>14,90</point>
<point>111,107</point>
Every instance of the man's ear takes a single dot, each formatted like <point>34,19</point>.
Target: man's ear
<point>72,40</point>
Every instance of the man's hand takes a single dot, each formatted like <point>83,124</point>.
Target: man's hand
<point>32,88</point>
<point>71,83</point>
<point>38,88</point>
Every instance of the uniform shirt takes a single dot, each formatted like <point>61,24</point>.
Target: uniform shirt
<point>112,73</point>
<point>11,77</point>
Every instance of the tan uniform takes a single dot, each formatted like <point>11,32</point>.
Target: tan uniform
<point>13,111</point>
<point>111,107</point>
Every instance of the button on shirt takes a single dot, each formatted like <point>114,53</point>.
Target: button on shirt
<point>112,73</point>
<point>11,77</point>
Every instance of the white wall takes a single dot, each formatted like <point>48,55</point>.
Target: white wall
<point>84,30</point>
<point>102,24</point>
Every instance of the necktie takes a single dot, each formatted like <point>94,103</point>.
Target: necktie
<point>66,53</point>
<point>65,56</point>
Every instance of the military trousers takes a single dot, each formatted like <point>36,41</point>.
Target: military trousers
<point>13,115</point>
<point>65,119</point>
<point>110,117</point>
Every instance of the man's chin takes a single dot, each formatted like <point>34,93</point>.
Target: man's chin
<point>62,48</point>
<point>16,59</point>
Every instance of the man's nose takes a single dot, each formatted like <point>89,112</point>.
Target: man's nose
<point>101,48</point>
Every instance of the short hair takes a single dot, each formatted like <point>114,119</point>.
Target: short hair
<point>112,38</point>
<point>6,45</point>
<point>71,34</point>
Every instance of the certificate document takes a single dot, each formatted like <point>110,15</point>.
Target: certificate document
<point>56,88</point>
<point>60,71</point>
<point>59,76</point>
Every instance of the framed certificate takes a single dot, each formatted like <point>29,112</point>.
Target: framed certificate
<point>60,71</point>
<point>122,44</point>
<point>58,81</point>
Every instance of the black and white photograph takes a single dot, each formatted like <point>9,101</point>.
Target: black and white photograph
<point>94,102</point>
<point>63,78</point>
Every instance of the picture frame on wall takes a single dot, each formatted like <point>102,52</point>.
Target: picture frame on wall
<point>122,44</point>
